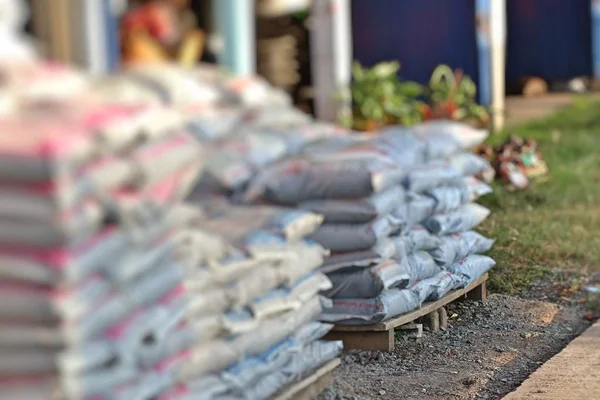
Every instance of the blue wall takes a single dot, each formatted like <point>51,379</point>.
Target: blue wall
<point>420,34</point>
<point>551,39</point>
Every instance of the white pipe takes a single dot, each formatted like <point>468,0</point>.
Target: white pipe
<point>94,37</point>
<point>236,27</point>
<point>342,36</point>
<point>498,56</point>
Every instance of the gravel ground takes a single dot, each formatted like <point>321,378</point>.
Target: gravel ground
<point>488,350</point>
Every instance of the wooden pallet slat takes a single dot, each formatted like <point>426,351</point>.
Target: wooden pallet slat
<point>310,387</point>
<point>381,336</point>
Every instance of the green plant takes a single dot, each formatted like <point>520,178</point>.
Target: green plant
<point>378,95</point>
<point>453,95</point>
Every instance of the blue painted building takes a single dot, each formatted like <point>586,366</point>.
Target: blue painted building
<point>552,39</point>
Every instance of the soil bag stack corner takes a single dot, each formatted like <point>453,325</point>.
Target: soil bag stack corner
<point>399,215</point>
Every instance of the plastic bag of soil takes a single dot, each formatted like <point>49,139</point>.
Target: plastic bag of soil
<point>42,151</point>
<point>421,266</point>
<point>470,268</point>
<point>406,148</point>
<point>329,145</point>
<point>432,175</point>
<point>356,211</point>
<point>461,220</point>
<point>446,137</point>
<point>71,229</point>
<point>435,287</point>
<point>415,239</point>
<point>65,265</point>
<point>469,164</point>
<point>454,247</point>
<point>417,208</point>
<point>345,176</point>
<point>450,198</point>
<point>209,123</point>
<point>237,223</point>
<point>341,238</point>
<point>287,299</point>
<point>369,282</point>
<point>390,303</point>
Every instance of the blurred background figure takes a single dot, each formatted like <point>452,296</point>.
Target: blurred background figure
<point>161,30</point>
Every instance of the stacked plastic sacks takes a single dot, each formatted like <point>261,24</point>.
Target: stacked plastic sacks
<point>244,123</point>
<point>89,278</point>
<point>388,201</point>
<point>255,302</point>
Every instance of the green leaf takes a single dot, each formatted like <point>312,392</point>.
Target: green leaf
<point>411,89</point>
<point>358,73</point>
<point>386,69</point>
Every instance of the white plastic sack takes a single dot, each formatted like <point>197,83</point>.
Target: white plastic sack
<point>469,164</point>
<point>431,175</point>
<point>449,198</point>
<point>464,219</point>
<point>415,239</point>
<point>418,207</point>
<point>434,288</point>
<point>463,135</point>
<point>421,266</point>
<point>470,268</point>
<point>454,247</point>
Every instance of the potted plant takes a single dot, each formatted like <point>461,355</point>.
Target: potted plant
<point>452,95</point>
<point>380,98</point>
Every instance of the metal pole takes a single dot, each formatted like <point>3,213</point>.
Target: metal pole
<point>331,55</point>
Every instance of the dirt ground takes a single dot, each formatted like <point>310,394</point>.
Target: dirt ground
<point>488,350</point>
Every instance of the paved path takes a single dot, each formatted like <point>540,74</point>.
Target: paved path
<point>572,374</point>
<point>520,110</point>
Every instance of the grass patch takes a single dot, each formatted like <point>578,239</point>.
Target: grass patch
<point>553,227</point>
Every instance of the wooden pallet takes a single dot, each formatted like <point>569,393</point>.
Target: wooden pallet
<point>312,386</point>
<point>381,336</point>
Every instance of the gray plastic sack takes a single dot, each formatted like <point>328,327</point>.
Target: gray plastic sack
<point>341,176</point>
<point>390,303</point>
<point>341,261</point>
<point>361,283</point>
<point>341,238</point>
<point>454,247</point>
<point>355,211</point>
<point>470,268</point>
<point>461,220</point>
